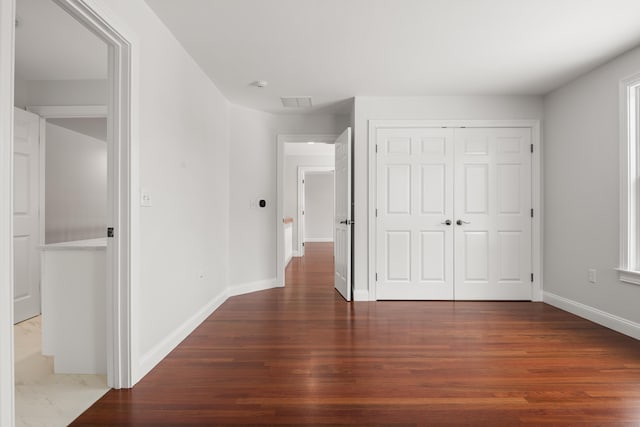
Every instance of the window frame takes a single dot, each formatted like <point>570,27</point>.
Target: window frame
<point>629,268</point>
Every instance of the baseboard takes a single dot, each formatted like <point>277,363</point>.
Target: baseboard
<point>611,321</point>
<point>245,288</point>
<point>287,261</point>
<point>360,295</point>
<point>295,253</point>
<point>318,239</point>
<point>154,356</point>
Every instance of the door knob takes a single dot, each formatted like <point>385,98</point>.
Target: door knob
<point>447,222</point>
<point>460,222</point>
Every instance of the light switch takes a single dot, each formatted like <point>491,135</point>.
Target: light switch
<point>145,198</point>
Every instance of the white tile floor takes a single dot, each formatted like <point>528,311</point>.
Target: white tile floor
<point>43,398</point>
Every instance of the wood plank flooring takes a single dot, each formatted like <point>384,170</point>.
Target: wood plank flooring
<point>301,355</point>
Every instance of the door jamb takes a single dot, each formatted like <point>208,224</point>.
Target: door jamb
<point>281,140</point>
<point>536,187</point>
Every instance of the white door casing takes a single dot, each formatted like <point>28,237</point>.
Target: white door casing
<point>415,214</point>
<point>343,215</point>
<point>493,204</point>
<point>476,180</point>
<point>26,215</point>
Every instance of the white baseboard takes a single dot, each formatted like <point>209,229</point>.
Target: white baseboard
<point>151,358</point>
<point>295,253</point>
<point>611,321</point>
<point>360,295</point>
<point>245,288</point>
<point>318,239</point>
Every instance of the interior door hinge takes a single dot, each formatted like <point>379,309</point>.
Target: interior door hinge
<point>110,232</point>
<point>303,181</point>
<point>376,212</point>
<point>376,277</point>
<point>531,212</point>
<point>532,277</point>
<point>303,212</point>
<point>532,148</point>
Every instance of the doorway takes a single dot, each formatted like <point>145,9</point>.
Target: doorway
<point>315,205</point>
<point>120,216</point>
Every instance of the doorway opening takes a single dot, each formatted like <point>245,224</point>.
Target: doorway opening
<point>119,216</point>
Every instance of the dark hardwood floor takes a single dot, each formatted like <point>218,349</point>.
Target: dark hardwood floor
<point>301,355</point>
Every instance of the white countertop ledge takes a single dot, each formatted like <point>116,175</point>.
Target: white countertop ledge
<point>90,244</point>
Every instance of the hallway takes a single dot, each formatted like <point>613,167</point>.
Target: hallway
<point>301,355</point>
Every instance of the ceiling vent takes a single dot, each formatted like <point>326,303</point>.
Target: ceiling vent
<point>296,101</point>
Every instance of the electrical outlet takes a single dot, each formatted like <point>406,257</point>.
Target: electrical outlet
<point>592,275</point>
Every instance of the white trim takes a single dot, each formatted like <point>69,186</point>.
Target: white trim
<point>628,276</point>
<point>295,254</point>
<point>154,356</point>
<point>69,111</point>
<point>536,187</point>
<point>123,250</point>
<point>7,383</point>
<point>318,239</point>
<point>611,321</point>
<point>628,169</point>
<point>280,163</point>
<point>302,172</point>
<point>259,285</point>
<point>42,213</point>
<point>361,295</point>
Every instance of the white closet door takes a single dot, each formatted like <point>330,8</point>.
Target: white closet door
<point>414,205</point>
<point>26,220</point>
<point>493,214</point>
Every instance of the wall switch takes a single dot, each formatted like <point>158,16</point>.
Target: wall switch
<point>592,275</point>
<point>145,198</point>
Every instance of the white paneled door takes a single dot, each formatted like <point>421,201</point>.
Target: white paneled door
<point>343,219</point>
<point>26,220</point>
<point>453,213</point>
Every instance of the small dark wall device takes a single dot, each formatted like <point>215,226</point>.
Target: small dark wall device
<point>262,203</point>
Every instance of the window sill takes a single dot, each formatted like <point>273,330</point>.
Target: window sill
<point>629,276</point>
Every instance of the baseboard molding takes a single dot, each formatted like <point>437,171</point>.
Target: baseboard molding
<point>154,356</point>
<point>611,321</point>
<point>245,288</point>
<point>360,295</point>
<point>295,254</point>
<point>318,239</point>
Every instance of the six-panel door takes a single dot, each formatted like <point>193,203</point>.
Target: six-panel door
<point>453,213</point>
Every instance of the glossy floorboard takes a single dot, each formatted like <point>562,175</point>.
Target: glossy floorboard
<point>301,355</point>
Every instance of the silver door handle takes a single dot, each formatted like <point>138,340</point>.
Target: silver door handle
<point>460,222</point>
<point>447,222</point>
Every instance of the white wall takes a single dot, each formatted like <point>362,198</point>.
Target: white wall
<point>253,176</point>
<point>418,108</point>
<point>182,135</point>
<point>60,92</point>
<point>75,186</point>
<point>290,178</point>
<point>581,193</point>
<point>318,207</point>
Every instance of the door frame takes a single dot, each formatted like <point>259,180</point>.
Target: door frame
<point>123,213</point>
<point>302,172</point>
<point>281,140</point>
<point>536,187</point>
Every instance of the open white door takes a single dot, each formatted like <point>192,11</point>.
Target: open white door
<point>343,221</point>
<point>26,220</point>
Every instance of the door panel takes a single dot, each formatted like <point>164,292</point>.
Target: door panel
<point>342,244</point>
<point>26,220</point>
<point>493,242</point>
<point>414,200</point>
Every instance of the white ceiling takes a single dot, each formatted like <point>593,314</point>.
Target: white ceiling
<point>335,49</point>
<point>51,45</point>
